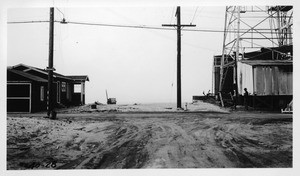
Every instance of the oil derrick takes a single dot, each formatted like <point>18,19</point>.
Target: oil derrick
<point>248,29</point>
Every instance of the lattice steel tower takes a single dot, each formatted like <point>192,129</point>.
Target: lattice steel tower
<point>249,28</point>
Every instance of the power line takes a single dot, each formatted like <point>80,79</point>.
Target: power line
<point>131,26</point>
<point>194,15</point>
<point>172,14</point>
<point>20,22</point>
<point>61,12</point>
<point>117,25</point>
<point>149,27</point>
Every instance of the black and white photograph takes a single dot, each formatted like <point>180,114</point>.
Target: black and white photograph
<point>167,86</point>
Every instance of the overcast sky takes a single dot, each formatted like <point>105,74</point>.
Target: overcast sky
<point>134,65</point>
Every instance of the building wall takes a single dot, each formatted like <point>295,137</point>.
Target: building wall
<point>26,97</point>
<point>245,77</point>
<point>273,80</point>
<point>19,96</point>
<point>37,103</point>
<point>63,93</point>
<point>265,80</point>
<point>66,93</point>
<point>60,92</point>
<point>216,79</point>
<point>228,81</point>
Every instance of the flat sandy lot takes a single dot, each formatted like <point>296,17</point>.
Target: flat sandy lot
<point>115,140</point>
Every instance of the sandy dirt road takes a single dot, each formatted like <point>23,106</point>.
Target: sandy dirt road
<point>150,140</point>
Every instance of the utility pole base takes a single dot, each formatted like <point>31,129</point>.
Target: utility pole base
<point>180,109</point>
<point>52,115</point>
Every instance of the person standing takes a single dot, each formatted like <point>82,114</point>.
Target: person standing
<point>234,99</point>
<point>246,94</point>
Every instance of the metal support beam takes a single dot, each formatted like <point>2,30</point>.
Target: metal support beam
<point>237,52</point>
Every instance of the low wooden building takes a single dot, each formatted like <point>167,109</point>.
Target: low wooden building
<point>27,88</point>
<point>25,92</point>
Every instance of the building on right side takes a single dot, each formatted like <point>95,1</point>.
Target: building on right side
<point>257,55</point>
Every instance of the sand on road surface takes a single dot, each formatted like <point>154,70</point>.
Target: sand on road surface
<point>150,140</point>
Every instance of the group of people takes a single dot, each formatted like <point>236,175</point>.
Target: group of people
<point>246,95</point>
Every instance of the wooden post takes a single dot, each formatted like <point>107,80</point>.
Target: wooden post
<point>221,99</point>
<point>50,68</point>
<point>254,96</point>
<point>178,58</point>
<point>82,93</point>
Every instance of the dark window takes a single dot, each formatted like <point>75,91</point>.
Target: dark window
<point>18,90</point>
<point>63,86</point>
<point>18,105</point>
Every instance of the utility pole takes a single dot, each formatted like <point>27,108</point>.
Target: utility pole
<point>50,113</point>
<point>179,27</point>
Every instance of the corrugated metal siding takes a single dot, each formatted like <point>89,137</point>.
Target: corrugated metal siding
<point>268,77</point>
<point>273,80</point>
<point>258,81</point>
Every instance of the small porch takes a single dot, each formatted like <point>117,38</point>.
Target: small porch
<point>78,97</point>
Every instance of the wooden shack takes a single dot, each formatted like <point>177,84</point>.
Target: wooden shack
<point>27,88</point>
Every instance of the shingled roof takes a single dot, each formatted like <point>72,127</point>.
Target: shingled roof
<point>23,69</point>
<point>26,68</point>
<point>27,75</point>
